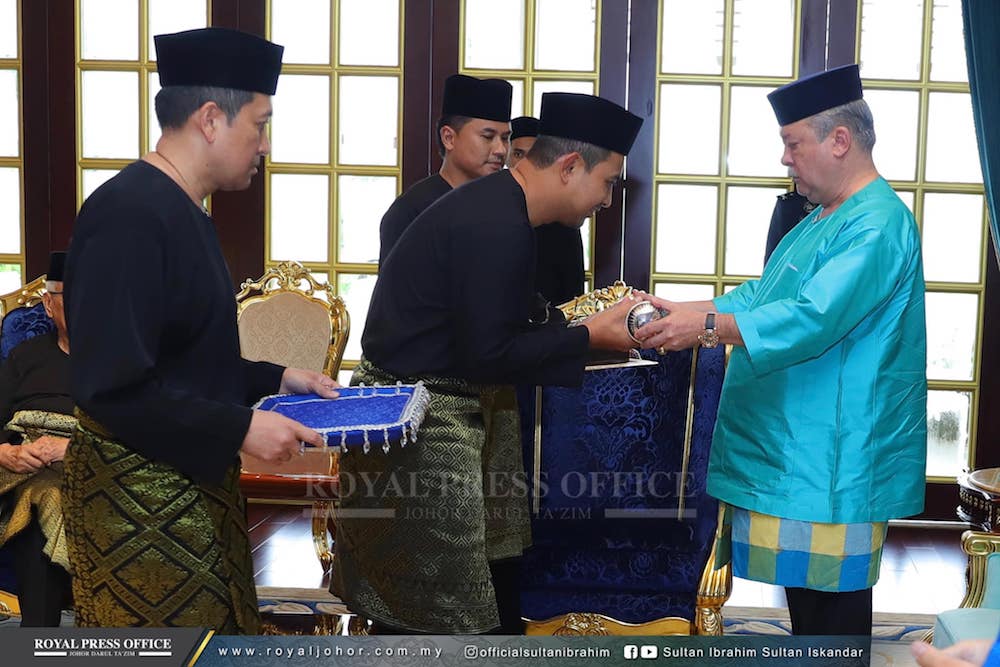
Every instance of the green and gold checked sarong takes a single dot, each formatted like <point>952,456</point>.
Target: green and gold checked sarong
<point>38,493</point>
<point>800,554</point>
<point>417,527</point>
<point>150,546</point>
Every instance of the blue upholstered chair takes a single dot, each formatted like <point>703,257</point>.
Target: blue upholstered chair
<point>23,318</point>
<point>618,547</point>
<point>978,617</point>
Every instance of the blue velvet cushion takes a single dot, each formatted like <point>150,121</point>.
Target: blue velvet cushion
<point>21,324</point>
<point>607,538</point>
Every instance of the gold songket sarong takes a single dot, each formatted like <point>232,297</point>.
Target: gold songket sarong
<point>38,493</point>
<point>418,526</point>
<point>152,547</point>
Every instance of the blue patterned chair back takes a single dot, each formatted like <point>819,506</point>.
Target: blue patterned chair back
<point>23,316</point>
<point>21,324</point>
<point>611,535</point>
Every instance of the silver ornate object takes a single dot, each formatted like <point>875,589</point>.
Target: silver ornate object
<point>641,314</point>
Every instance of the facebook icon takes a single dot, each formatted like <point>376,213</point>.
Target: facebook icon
<point>631,652</point>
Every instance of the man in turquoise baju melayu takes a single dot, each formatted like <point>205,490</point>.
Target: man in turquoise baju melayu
<point>821,433</point>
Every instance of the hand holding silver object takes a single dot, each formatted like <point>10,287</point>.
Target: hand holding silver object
<point>641,314</point>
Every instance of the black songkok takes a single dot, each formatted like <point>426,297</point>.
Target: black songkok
<point>523,126</point>
<point>815,93</point>
<point>590,119</point>
<point>468,96</point>
<point>218,57</point>
<point>57,262</point>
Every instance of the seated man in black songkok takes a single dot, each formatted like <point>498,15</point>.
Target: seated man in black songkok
<point>37,413</point>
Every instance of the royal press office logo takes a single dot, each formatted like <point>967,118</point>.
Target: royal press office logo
<point>106,647</point>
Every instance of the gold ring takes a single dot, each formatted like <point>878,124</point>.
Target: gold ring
<point>661,350</point>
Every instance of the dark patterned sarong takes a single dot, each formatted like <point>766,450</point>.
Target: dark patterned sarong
<point>150,546</point>
<point>417,527</point>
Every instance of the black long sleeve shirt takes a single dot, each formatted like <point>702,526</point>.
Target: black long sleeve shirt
<point>34,377</point>
<point>152,324</point>
<point>455,296</point>
<point>405,210</point>
<point>559,273</point>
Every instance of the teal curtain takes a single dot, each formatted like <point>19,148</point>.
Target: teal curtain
<point>982,29</point>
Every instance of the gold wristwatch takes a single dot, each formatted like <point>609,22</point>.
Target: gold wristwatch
<point>711,337</point>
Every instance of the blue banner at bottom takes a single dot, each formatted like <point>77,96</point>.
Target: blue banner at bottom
<point>570,651</point>
<point>194,648</point>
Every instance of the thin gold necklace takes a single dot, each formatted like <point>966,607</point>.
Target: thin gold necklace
<point>187,186</point>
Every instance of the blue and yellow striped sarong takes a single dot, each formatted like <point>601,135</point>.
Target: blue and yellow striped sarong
<point>799,554</point>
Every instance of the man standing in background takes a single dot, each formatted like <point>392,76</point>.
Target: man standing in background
<point>473,136</point>
<point>155,522</point>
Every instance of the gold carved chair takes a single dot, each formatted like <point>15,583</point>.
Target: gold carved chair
<point>287,317</point>
<point>27,319</point>
<point>607,563</point>
<point>978,615</point>
<point>27,295</point>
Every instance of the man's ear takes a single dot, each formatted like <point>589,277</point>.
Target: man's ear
<point>448,135</point>
<point>842,140</point>
<point>569,164</point>
<point>208,118</point>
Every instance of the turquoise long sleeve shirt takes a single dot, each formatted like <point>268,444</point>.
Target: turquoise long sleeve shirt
<point>823,415</point>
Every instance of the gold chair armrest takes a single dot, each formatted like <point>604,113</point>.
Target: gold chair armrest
<point>978,546</point>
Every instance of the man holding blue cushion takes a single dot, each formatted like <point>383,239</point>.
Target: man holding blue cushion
<point>821,433</point>
<point>421,526</point>
<point>155,521</point>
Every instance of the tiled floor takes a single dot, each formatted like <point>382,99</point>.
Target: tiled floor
<point>923,570</point>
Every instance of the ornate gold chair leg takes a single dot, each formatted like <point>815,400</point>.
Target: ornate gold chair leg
<point>322,512</point>
<point>358,625</point>
<point>714,589</point>
<point>328,625</point>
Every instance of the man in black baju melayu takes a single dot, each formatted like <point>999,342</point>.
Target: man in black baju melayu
<point>473,135</point>
<point>420,525</point>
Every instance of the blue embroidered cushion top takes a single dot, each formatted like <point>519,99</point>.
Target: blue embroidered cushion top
<point>359,416</point>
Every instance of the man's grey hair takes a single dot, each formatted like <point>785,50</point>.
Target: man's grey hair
<point>53,285</point>
<point>547,149</point>
<point>175,104</point>
<point>855,116</point>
